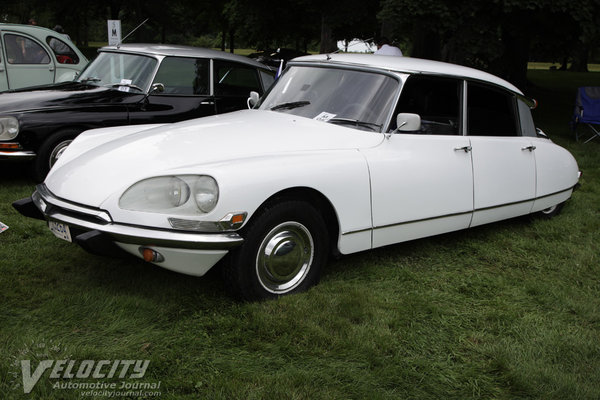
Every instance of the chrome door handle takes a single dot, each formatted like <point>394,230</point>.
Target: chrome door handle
<point>530,148</point>
<point>466,149</point>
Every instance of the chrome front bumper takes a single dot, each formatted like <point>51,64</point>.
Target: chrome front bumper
<point>17,155</point>
<point>85,219</point>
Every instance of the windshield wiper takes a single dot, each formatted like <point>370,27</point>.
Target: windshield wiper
<point>90,79</point>
<point>289,106</point>
<point>370,125</point>
<point>129,85</point>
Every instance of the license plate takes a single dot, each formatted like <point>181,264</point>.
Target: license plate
<point>61,231</point>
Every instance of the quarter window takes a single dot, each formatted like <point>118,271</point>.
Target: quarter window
<point>490,112</point>
<point>436,100</point>
<point>184,76</point>
<point>63,52</point>
<point>22,50</point>
<point>527,124</point>
<point>232,79</point>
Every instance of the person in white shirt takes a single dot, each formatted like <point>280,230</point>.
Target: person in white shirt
<point>385,49</point>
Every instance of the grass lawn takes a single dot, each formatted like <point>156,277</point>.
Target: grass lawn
<point>505,311</point>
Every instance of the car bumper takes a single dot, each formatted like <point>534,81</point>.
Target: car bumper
<point>94,230</point>
<point>17,155</point>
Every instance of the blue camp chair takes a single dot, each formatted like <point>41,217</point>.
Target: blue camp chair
<point>587,110</point>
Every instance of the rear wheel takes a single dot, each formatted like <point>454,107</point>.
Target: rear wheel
<point>50,151</point>
<point>284,251</point>
<point>550,211</point>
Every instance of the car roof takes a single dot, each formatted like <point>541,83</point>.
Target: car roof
<point>406,64</point>
<point>40,33</point>
<point>180,51</point>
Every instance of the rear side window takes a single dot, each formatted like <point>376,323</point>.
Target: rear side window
<point>527,125</point>
<point>235,79</point>
<point>436,100</point>
<point>22,50</point>
<point>62,51</point>
<point>490,111</point>
<point>184,76</point>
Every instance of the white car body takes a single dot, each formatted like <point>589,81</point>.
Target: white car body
<point>377,188</point>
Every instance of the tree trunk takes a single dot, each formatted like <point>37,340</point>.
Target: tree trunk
<point>581,53</point>
<point>426,44</point>
<point>328,42</point>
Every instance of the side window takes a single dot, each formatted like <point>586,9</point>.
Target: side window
<point>436,100</point>
<point>22,50</point>
<point>233,79</point>
<point>490,111</point>
<point>184,76</point>
<point>527,124</point>
<point>267,79</point>
<point>63,52</point>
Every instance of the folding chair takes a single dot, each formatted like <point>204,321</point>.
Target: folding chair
<point>587,110</point>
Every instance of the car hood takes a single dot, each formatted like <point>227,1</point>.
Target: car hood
<point>60,95</point>
<point>90,173</point>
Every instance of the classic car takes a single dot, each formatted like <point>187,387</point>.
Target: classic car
<point>129,84</point>
<point>31,55</point>
<point>344,153</point>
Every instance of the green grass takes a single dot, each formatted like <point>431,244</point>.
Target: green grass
<point>506,311</point>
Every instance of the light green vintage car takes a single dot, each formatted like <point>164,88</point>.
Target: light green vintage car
<point>32,55</point>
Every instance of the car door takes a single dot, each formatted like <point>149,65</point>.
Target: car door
<point>233,83</point>
<point>422,182</point>
<point>186,94</point>
<point>27,61</point>
<point>504,175</point>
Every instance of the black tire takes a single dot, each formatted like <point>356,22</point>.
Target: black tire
<point>293,231</point>
<point>50,151</point>
<point>550,211</point>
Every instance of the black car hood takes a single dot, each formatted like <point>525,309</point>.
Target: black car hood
<point>63,95</point>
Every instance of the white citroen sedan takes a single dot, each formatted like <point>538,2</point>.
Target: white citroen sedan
<point>345,153</point>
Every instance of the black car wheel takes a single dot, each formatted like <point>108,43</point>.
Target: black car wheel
<point>50,151</point>
<point>284,251</point>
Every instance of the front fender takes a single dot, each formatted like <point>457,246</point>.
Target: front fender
<point>341,176</point>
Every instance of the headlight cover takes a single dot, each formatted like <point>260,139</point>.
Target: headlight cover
<point>9,128</point>
<point>182,195</point>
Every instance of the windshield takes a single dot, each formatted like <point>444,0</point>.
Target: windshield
<point>126,71</point>
<point>356,99</point>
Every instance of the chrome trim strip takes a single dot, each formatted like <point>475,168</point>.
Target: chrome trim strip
<point>49,198</point>
<point>14,155</point>
<point>455,214</point>
<point>135,234</point>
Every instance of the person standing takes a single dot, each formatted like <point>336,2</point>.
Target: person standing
<point>385,49</point>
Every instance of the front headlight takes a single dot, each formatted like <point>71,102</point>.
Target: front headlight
<point>172,194</point>
<point>9,128</point>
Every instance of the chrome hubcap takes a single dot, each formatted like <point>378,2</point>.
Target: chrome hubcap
<point>284,257</point>
<point>58,151</point>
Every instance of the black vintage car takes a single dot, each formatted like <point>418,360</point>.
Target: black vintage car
<point>129,84</point>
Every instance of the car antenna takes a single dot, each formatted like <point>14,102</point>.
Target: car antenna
<point>129,34</point>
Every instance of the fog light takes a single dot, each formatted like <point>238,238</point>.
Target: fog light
<point>151,255</point>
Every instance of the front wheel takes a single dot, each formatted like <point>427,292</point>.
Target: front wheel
<point>50,151</point>
<point>284,251</point>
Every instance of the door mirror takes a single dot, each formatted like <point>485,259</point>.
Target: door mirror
<point>407,122</point>
<point>253,99</point>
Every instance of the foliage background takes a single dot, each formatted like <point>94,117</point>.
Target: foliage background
<point>500,36</point>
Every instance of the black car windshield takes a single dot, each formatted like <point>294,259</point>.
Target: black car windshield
<point>127,72</point>
<point>355,99</point>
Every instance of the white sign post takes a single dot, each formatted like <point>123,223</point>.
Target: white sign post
<point>114,32</point>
